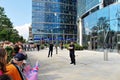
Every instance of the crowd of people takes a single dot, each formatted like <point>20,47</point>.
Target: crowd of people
<point>13,58</point>
<point>12,69</point>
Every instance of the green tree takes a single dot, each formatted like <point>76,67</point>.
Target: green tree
<point>6,29</point>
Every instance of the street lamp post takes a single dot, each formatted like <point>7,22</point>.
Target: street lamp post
<point>55,14</point>
<point>52,35</point>
<point>105,45</point>
<point>63,36</point>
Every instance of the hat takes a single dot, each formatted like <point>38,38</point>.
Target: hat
<point>19,57</point>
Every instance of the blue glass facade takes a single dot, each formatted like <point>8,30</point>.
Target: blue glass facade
<point>54,20</point>
<point>101,29</point>
<point>85,5</point>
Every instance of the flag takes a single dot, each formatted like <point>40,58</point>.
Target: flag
<point>32,73</point>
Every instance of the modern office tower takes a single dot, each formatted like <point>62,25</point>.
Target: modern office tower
<point>30,37</point>
<point>99,23</point>
<point>54,20</point>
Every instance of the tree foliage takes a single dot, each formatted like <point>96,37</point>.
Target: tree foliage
<point>6,29</point>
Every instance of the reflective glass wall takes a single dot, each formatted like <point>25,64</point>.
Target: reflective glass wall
<point>54,20</point>
<point>108,2</point>
<point>102,28</point>
<point>85,5</point>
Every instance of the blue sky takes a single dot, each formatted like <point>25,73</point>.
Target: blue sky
<point>20,13</point>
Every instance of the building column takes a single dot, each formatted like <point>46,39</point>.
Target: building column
<point>101,4</point>
<point>80,31</point>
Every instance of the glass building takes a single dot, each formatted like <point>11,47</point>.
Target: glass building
<point>54,20</point>
<point>100,22</point>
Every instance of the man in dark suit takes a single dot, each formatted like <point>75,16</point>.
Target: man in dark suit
<point>38,46</point>
<point>50,49</point>
<point>72,53</point>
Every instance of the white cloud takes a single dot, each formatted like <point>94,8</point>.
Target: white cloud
<point>23,30</point>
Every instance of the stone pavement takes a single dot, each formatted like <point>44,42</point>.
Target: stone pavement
<point>90,65</point>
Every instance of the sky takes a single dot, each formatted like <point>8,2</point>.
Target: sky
<point>20,13</point>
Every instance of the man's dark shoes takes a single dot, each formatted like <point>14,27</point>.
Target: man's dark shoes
<point>71,63</point>
<point>74,63</point>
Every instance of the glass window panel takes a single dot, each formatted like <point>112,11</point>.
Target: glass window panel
<point>114,25</point>
<point>90,20</point>
<point>113,11</point>
<point>103,13</point>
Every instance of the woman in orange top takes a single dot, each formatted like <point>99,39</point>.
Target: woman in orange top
<point>14,68</point>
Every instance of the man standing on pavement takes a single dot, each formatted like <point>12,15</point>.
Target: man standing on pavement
<point>38,46</point>
<point>56,47</point>
<point>50,49</point>
<point>72,53</point>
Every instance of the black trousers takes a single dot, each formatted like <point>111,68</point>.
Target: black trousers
<point>50,53</point>
<point>72,57</point>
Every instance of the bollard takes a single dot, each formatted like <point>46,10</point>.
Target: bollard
<point>105,55</point>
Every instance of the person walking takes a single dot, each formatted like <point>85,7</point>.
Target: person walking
<point>50,49</point>
<point>72,53</point>
<point>38,46</point>
<point>61,45</point>
<point>56,47</point>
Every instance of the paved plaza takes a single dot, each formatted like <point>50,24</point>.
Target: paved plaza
<point>90,65</point>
